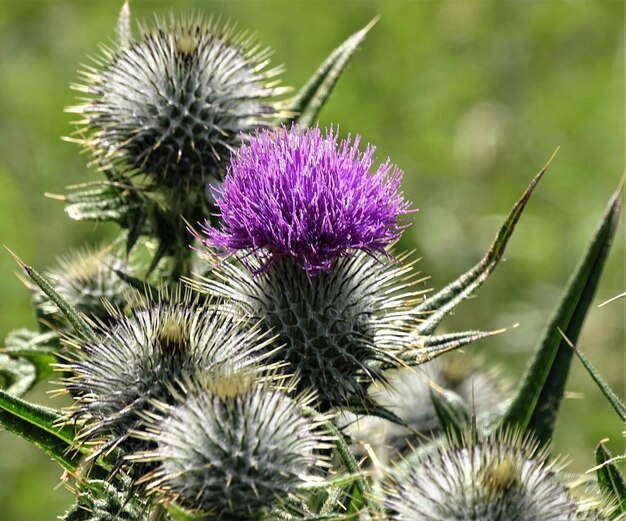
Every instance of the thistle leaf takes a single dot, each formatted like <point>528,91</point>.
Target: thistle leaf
<point>39,350</point>
<point>610,479</point>
<point>356,503</point>
<point>27,343</point>
<point>17,375</point>
<point>38,425</point>
<point>451,411</point>
<point>429,347</point>
<point>77,321</point>
<point>39,416</point>
<point>158,255</point>
<point>436,307</point>
<point>362,487</point>
<point>312,97</point>
<point>135,229</point>
<point>100,500</point>
<point>537,400</point>
<point>331,500</point>
<point>369,408</point>
<point>144,288</point>
<point>104,203</point>
<point>616,403</point>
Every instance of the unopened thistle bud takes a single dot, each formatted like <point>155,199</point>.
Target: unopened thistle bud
<point>407,393</point>
<point>173,103</point>
<point>144,358</point>
<point>85,279</point>
<point>234,449</point>
<point>501,478</point>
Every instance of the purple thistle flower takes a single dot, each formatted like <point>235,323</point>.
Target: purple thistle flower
<point>295,193</point>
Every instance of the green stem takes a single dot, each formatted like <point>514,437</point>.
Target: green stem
<point>367,493</point>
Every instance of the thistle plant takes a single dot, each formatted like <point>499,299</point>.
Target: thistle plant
<point>223,393</point>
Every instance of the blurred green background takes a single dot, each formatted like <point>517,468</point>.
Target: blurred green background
<point>468,98</point>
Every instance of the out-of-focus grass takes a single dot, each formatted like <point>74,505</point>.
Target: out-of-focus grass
<point>468,98</point>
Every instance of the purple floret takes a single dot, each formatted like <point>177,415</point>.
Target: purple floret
<point>295,193</point>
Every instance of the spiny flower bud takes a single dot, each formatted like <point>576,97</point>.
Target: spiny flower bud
<point>173,103</point>
<point>504,477</point>
<point>333,330</point>
<point>232,450</point>
<point>297,194</point>
<point>407,393</point>
<point>144,358</point>
<point>85,279</point>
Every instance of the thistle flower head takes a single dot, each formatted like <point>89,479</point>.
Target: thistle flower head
<point>233,450</point>
<point>504,477</point>
<point>297,193</point>
<point>173,103</point>
<point>143,358</point>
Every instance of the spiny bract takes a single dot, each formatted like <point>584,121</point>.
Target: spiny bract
<point>143,358</point>
<point>333,330</point>
<point>504,477</point>
<point>232,450</point>
<point>174,103</point>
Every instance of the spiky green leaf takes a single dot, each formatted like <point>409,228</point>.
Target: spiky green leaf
<point>180,514</point>
<point>17,375</point>
<point>614,400</point>
<point>369,408</point>
<point>312,97</point>
<point>38,425</point>
<point>426,348</point>
<point>537,400</point>
<point>452,411</point>
<point>78,322</point>
<point>343,450</point>
<point>611,480</point>
<point>356,503</point>
<point>436,307</point>
<point>39,349</point>
<point>103,500</point>
<point>161,251</point>
<point>136,227</point>
<point>24,342</point>
<point>105,203</point>
<point>144,288</point>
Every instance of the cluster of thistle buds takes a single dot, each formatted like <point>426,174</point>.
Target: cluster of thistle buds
<point>264,352</point>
